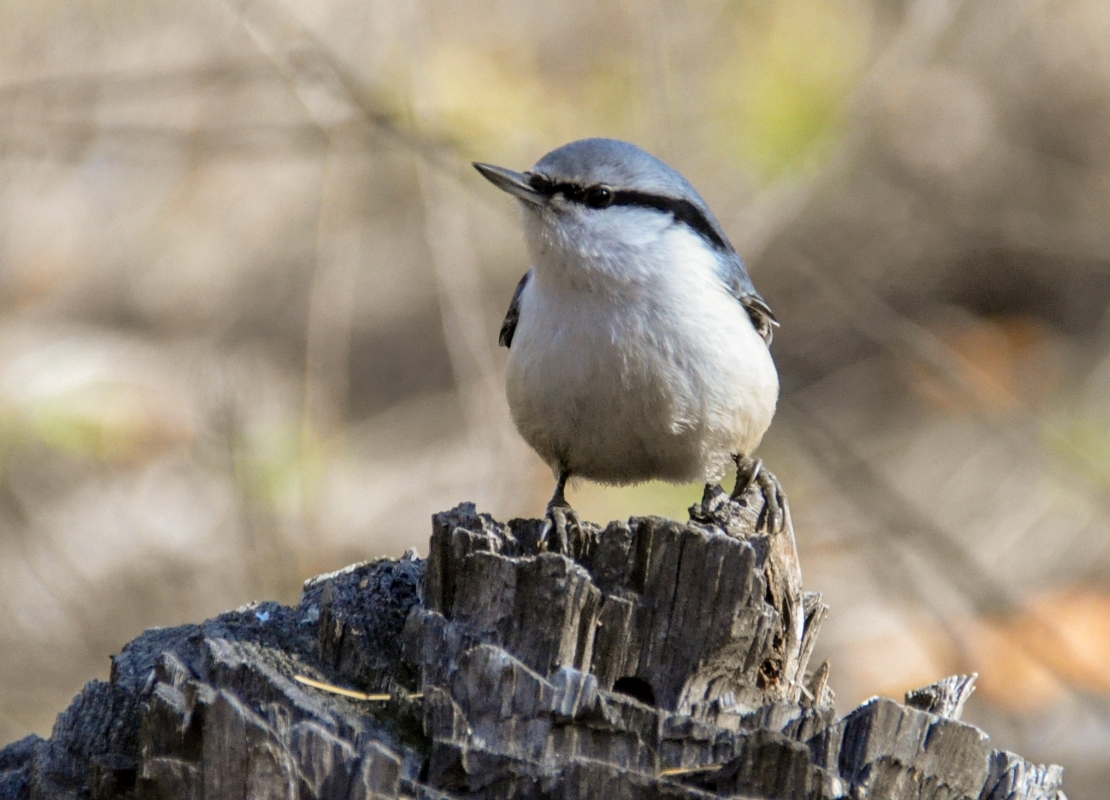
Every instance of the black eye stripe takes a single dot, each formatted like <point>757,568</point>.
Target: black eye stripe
<point>682,210</point>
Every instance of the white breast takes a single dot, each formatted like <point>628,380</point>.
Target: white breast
<point>626,374</point>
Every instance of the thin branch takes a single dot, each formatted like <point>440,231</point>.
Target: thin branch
<point>907,340</point>
<point>881,501</point>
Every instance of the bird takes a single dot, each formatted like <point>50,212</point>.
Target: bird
<point>639,348</point>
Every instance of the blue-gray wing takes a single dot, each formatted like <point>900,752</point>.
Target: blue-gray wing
<point>741,287</point>
<point>512,316</point>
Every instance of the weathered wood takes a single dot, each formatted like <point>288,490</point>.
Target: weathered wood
<point>944,698</point>
<point>664,660</point>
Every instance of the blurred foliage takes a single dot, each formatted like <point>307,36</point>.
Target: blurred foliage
<point>280,469</point>
<point>1085,435</point>
<point>777,96</point>
<point>769,86</point>
<point>645,499</point>
<point>503,102</point>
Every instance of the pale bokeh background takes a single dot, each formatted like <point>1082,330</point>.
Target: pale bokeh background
<point>250,291</point>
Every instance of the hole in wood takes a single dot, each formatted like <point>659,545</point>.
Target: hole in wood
<point>636,688</point>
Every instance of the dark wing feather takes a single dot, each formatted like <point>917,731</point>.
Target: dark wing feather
<point>762,318</point>
<point>740,286</point>
<point>512,316</point>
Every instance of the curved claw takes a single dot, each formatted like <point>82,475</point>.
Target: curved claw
<point>775,508</point>
<point>561,526</point>
<point>747,471</point>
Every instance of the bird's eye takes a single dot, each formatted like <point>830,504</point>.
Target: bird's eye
<point>599,197</point>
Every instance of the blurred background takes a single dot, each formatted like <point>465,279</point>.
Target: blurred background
<point>250,290</point>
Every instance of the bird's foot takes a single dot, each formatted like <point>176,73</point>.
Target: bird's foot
<point>749,472</point>
<point>561,528</point>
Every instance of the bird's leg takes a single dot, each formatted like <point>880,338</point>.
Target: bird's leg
<point>749,472</point>
<point>560,521</point>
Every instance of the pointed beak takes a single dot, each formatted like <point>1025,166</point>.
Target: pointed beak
<point>515,183</point>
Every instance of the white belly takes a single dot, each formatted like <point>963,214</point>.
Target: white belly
<point>664,379</point>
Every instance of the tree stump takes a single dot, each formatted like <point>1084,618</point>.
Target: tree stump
<point>658,660</point>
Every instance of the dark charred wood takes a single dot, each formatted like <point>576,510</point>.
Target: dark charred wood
<point>662,660</point>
